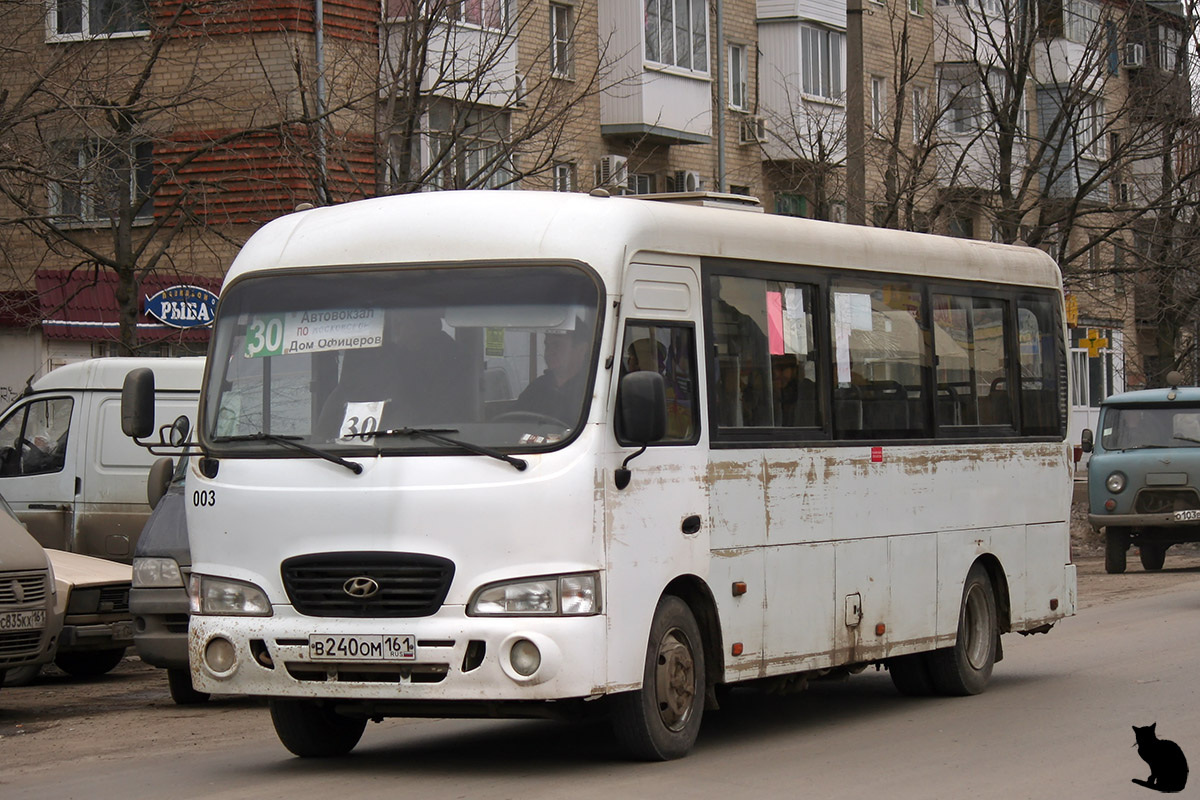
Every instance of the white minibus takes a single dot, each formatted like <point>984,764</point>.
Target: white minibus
<point>548,454</point>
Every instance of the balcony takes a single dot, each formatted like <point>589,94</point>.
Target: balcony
<point>647,99</point>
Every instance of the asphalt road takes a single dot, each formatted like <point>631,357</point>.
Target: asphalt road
<point>1055,723</point>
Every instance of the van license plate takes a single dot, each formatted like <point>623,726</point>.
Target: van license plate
<point>23,620</point>
<point>1190,515</point>
<point>369,647</point>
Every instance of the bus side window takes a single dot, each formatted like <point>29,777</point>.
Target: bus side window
<point>669,350</point>
<point>766,367</point>
<point>1042,389</point>
<point>969,342</point>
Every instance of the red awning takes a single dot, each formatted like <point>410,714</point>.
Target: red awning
<point>81,305</point>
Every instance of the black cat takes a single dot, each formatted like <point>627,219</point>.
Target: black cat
<point>1168,767</point>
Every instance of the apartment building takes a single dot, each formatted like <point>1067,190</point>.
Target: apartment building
<point>156,135</point>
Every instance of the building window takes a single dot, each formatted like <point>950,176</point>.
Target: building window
<point>960,102</point>
<point>1169,40</point>
<point>1093,141</point>
<point>640,183</point>
<point>821,65</point>
<point>564,177</point>
<point>916,7</point>
<point>878,103</point>
<point>467,148</point>
<point>491,14</point>
<point>790,204</point>
<point>738,94</point>
<point>677,33</point>
<point>87,18</point>
<point>95,180</point>
<point>560,41</point>
<point>1080,20</point>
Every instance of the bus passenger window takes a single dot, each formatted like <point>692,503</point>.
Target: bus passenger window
<point>766,372</point>
<point>670,351</point>
<point>880,357</point>
<point>1043,370</point>
<point>969,342</point>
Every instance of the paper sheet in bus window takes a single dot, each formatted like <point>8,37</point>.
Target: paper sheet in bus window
<point>313,331</point>
<point>361,418</point>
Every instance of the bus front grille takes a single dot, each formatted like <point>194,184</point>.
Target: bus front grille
<point>367,584</point>
<point>1166,501</point>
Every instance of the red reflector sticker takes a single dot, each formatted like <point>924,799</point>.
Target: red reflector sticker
<point>876,455</point>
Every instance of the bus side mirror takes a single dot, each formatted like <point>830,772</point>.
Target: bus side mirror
<point>1085,440</point>
<point>642,398</point>
<point>643,403</point>
<point>137,403</point>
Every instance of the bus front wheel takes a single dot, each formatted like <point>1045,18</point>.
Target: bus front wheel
<point>660,721</point>
<point>311,730</point>
<point>966,668</point>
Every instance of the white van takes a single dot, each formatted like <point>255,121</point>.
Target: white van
<point>29,627</point>
<point>69,473</point>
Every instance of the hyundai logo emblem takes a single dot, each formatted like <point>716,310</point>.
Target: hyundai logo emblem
<point>361,587</point>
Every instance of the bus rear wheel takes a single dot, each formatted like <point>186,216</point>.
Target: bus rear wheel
<point>661,720</point>
<point>312,730</point>
<point>966,668</point>
<point>1116,542</point>
<point>1152,555</point>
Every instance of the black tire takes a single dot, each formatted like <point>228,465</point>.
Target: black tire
<point>20,676</point>
<point>966,668</point>
<point>312,730</point>
<point>910,675</point>
<point>1116,542</point>
<point>89,663</point>
<point>1152,555</point>
<point>179,681</point>
<point>661,720</point>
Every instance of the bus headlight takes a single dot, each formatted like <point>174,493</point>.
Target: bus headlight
<point>548,596</point>
<point>228,598</point>
<point>1115,482</point>
<point>156,573</point>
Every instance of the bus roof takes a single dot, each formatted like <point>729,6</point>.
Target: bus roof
<point>607,232</point>
<point>170,374</point>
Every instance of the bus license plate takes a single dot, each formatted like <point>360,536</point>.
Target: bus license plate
<point>369,647</point>
<point>23,620</point>
<point>1189,515</point>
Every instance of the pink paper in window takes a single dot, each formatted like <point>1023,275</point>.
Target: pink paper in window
<point>775,322</point>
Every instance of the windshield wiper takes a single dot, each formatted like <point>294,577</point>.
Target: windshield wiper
<point>1186,438</point>
<point>435,435</point>
<point>290,441</point>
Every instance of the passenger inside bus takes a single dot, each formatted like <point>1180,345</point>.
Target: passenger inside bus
<point>558,392</point>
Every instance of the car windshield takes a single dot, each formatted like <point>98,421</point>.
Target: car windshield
<point>1161,426</point>
<point>402,360</point>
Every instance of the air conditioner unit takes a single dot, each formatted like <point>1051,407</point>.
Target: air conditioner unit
<point>1135,55</point>
<point>614,171</point>
<point>688,180</point>
<point>753,130</point>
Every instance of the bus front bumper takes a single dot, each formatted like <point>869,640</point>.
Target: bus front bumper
<point>456,658</point>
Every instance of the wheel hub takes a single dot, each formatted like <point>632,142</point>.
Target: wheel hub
<point>675,681</point>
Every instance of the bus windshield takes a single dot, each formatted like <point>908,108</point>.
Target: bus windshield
<point>402,360</point>
<point>1160,426</point>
